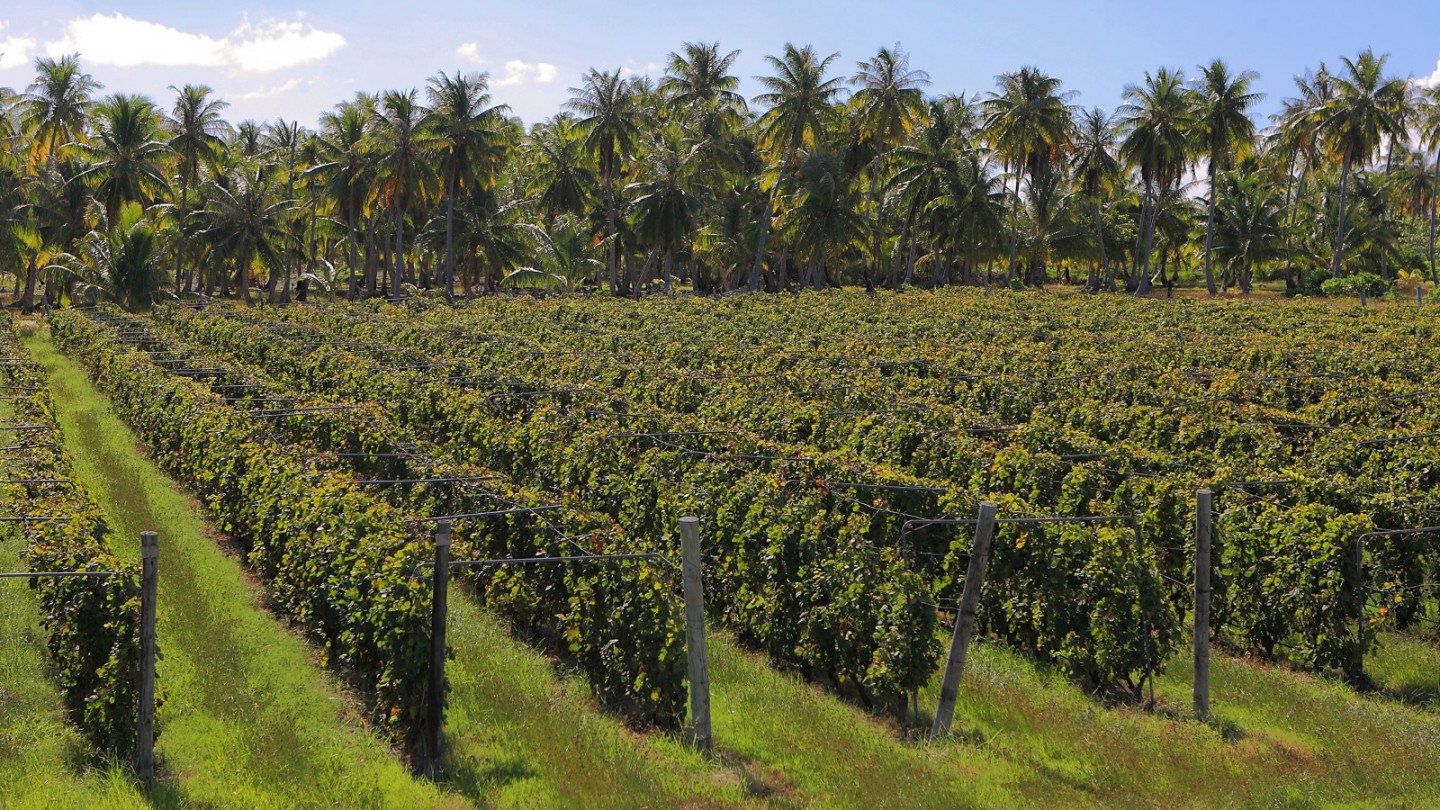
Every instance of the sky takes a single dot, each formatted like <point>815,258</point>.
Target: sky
<point>295,60</point>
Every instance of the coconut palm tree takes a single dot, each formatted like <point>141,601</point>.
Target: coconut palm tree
<point>468,140</point>
<point>889,103</point>
<point>1223,130</point>
<point>244,220</point>
<point>800,104</point>
<point>120,262</point>
<point>197,134</point>
<point>1097,170</point>
<point>404,172</point>
<point>1368,107</point>
<point>127,155</point>
<point>1428,126</point>
<point>1247,216</point>
<point>698,80</point>
<point>345,171</point>
<point>558,175</point>
<point>1028,123</point>
<point>285,139</point>
<point>56,106</point>
<point>610,118</point>
<point>1298,130</point>
<point>662,209</point>
<point>1156,121</point>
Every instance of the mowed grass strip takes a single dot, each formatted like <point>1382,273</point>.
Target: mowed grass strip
<point>43,762</point>
<point>250,720</point>
<point>1277,738</point>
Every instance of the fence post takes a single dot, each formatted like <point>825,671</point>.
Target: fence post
<point>145,723</point>
<point>1419,295</point>
<point>435,691</point>
<point>695,632</point>
<point>1202,604</point>
<point>965,621</point>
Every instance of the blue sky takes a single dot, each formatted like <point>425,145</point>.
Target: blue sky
<point>297,59</point>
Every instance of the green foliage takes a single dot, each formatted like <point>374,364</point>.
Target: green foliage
<point>1354,284</point>
<point>93,623</point>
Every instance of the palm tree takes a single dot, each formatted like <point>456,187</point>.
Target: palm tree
<point>126,156</point>
<point>699,81</point>
<point>1097,170</point>
<point>1428,121</point>
<point>198,133</point>
<point>286,139</point>
<point>609,110</point>
<point>889,105</point>
<point>468,142</point>
<point>404,173</point>
<point>345,171</point>
<point>1156,120</point>
<point>1368,107</point>
<point>244,220</point>
<point>662,209</point>
<point>1028,122</point>
<point>800,102</point>
<point>1298,129</point>
<point>55,107</point>
<point>558,175</point>
<point>1247,220</point>
<point>121,263</point>
<point>1223,129</point>
<point>927,165</point>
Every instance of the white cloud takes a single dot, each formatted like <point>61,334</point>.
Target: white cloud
<point>15,51</point>
<point>271,92</point>
<point>649,68</point>
<point>1433,79</point>
<point>470,51</point>
<point>278,44</point>
<point>125,42</point>
<point>520,72</point>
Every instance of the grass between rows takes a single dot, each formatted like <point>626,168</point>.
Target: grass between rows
<point>520,735</point>
<point>43,762</point>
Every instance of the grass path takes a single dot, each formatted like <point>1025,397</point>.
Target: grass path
<point>249,720</point>
<point>42,761</point>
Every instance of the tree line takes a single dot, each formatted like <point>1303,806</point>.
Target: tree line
<point>825,178</point>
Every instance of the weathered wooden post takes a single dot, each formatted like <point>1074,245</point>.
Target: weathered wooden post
<point>145,722</point>
<point>1202,605</point>
<point>965,621</point>
<point>435,691</point>
<point>695,632</point>
<point>1419,295</point>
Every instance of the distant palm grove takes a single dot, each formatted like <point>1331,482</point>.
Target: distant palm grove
<point>835,174</point>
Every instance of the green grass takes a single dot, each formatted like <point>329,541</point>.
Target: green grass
<point>43,762</point>
<point>522,735</point>
<point>250,721</point>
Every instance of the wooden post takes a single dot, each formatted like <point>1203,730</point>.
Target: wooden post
<point>965,621</point>
<point>1419,295</point>
<point>1202,605</point>
<point>695,632</point>
<point>145,722</point>
<point>435,688</point>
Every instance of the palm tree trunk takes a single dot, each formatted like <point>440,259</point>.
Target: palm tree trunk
<point>32,273</point>
<point>1014,230</point>
<point>245,278</point>
<point>765,230</point>
<point>180,242</point>
<point>1210,232</point>
<point>450,240</point>
<point>1336,266</point>
<point>1148,216</point>
<point>371,260</point>
<point>1434,194</point>
<point>610,234</point>
<point>351,259</point>
<point>669,265</point>
<point>397,273</point>
<point>874,262</point>
<point>1100,241</point>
